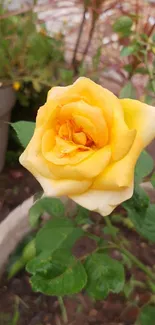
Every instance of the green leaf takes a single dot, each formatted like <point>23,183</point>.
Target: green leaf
<point>137,206</point>
<point>104,275</point>
<point>40,263</point>
<point>52,206</point>
<point>153,37</point>
<point>82,216</point>
<point>71,239</point>
<point>128,91</point>
<point>148,226</point>
<point>66,76</point>
<point>128,68</point>
<point>128,50</point>
<point>24,131</point>
<point>35,213</point>
<point>36,85</point>
<point>53,234</point>
<point>141,70</point>
<point>141,213</point>
<point>147,315</point>
<point>144,166</point>
<point>29,251</point>
<point>153,180</point>
<point>148,99</point>
<point>64,276</point>
<point>113,230</point>
<point>122,24</point>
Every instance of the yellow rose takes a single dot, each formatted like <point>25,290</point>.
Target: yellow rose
<point>86,144</point>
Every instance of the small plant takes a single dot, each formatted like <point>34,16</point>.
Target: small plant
<point>138,55</point>
<point>28,54</point>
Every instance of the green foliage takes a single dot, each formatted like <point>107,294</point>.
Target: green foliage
<point>24,131</point>
<point>96,57</point>
<point>137,207</point>
<point>104,275</point>
<point>53,206</point>
<point>128,91</point>
<point>57,233</point>
<point>27,52</point>
<point>128,68</point>
<point>82,216</point>
<point>123,26</point>
<point>153,180</point>
<point>22,259</point>
<point>147,315</point>
<point>66,76</point>
<point>62,275</point>
<point>128,50</point>
<point>148,226</point>
<point>142,213</point>
<point>112,231</point>
<point>144,166</point>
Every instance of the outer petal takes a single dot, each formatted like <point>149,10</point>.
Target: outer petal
<point>141,117</point>
<point>32,159</point>
<point>63,187</point>
<point>120,173</point>
<point>55,92</point>
<point>45,112</point>
<point>122,137</point>
<point>103,202</point>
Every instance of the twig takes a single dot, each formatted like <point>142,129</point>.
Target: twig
<point>79,36</point>
<point>89,39</point>
<point>123,250</point>
<point>149,71</point>
<point>24,10</point>
<point>151,30</point>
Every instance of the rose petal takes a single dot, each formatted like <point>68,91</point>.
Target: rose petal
<point>63,187</point>
<point>33,160</point>
<point>89,168</point>
<point>122,137</point>
<point>94,95</point>
<point>120,173</point>
<point>56,92</point>
<point>141,117</point>
<point>87,113</point>
<point>103,202</point>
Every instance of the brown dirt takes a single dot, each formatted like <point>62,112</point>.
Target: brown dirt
<point>16,185</point>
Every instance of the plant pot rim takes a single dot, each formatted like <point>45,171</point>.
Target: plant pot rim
<point>4,85</point>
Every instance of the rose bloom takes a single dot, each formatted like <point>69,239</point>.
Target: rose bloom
<point>86,144</point>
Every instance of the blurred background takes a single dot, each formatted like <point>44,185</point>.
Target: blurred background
<point>47,43</point>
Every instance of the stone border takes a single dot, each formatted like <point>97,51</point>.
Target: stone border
<point>13,229</point>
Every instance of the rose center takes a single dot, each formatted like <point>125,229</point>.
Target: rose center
<point>69,131</point>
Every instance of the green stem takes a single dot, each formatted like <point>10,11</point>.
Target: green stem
<point>149,71</point>
<point>134,259</point>
<point>110,226</point>
<point>63,310</point>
